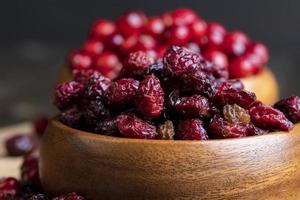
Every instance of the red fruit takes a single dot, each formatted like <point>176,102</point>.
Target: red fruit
<point>290,107</point>
<point>145,42</point>
<point>154,26</point>
<point>114,42</point>
<point>95,111</point>
<point>161,50</point>
<point>71,117</point>
<point>108,64</point>
<point>217,57</point>
<point>178,35</point>
<point>82,76</point>
<point>150,98</point>
<point>132,127</point>
<point>107,127</point>
<point>70,196</point>
<point>193,47</point>
<point>260,50</point>
<point>80,60</point>
<point>183,16</point>
<point>191,129</point>
<point>30,172</point>
<point>95,86</point>
<point>167,19</point>
<point>19,145</point>
<point>241,67</point>
<point>269,118</point>
<point>131,23</point>
<point>197,29</point>
<point>9,188</point>
<point>121,93</point>
<point>93,47</point>
<point>235,43</point>
<point>40,125</point>
<point>214,35</point>
<point>255,61</point>
<point>39,197</point>
<point>68,94</point>
<point>128,45</point>
<point>103,28</point>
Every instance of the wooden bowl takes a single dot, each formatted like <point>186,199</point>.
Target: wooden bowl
<point>102,167</point>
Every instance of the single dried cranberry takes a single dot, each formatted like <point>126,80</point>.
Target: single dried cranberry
<point>71,117</point>
<point>166,131</point>
<point>70,196</point>
<point>114,42</point>
<point>108,64</point>
<point>145,43</point>
<point>269,118</point>
<point>179,60</point>
<point>217,57</point>
<point>103,28</point>
<point>235,43</point>
<point>121,93</point>
<point>191,129</point>
<point>220,128</point>
<point>260,50</point>
<point>183,16</point>
<point>217,71</point>
<point>30,172</point>
<point>154,26</point>
<point>290,107</point>
<point>241,67</point>
<point>96,86</point>
<point>236,114</point>
<point>39,197</point>
<point>68,94</point>
<point>80,60</point>
<point>40,125</point>
<point>132,127</point>
<point>253,130</point>
<point>82,76</point>
<point>93,47</point>
<point>20,145</point>
<point>9,188</point>
<point>150,97</point>
<point>197,29</point>
<point>178,35</point>
<point>107,127</point>
<point>226,94</point>
<point>157,68</point>
<point>194,106</point>
<point>193,47</point>
<point>214,35</point>
<point>131,23</point>
<point>95,111</point>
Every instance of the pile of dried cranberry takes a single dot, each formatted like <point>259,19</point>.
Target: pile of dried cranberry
<point>181,96</point>
<point>110,42</point>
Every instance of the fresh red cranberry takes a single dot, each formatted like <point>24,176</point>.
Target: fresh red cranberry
<point>183,16</point>
<point>131,23</point>
<point>191,129</point>
<point>114,42</point>
<point>255,61</point>
<point>107,127</point>
<point>167,19</point>
<point>268,118</point>
<point>150,98</point>
<point>40,125</point>
<point>132,127</point>
<point>154,27</point>
<point>161,50</point>
<point>197,29</point>
<point>95,87</point>
<point>241,67</point>
<point>71,117</point>
<point>93,47</point>
<point>214,35</point>
<point>70,196</point>
<point>193,47</point>
<point>260,50</point>
<point>128,45</point>
<point>95,111</point>
<point>103,28</point>
<point>235,43</point>
<point>82,76</point>
<point>108,64</point>
<point>68,94</point>
<point>152,53</point>
<point>179,60</point>
<point>80,60</point>
<point>39,197</point>
<point>290,107</point>
<point>19,145</point>
<point>145,42</point>
<point>217,57</point>
<point>193,106</point>
<point>178,35</point>
<point>121,93</point>
<point>30,172</point>
<point>9,188</point>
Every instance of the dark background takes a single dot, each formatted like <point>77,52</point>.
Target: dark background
<point>35,36</point>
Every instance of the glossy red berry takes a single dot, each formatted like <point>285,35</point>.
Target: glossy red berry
<point>193,47</point>
<point>128,45</point>
<point>191,129</point>
<point>103,28</point>
<point>80,60</point>
<point>260,50</point>
<point>167,19</point>
<point>40,125</point>
<point>183,16</point>
<point>154,27</point>
<point>235,43</point>
<point>9,188</point>
<point>114,42</point>
<point>70,196</point>
<point>290,107</point>
<point>214,35</point>
<point>19,145</point>
<point>131,23</point>
<point>217,57</point>
<point>107,64</point>
<point>197,29</point>
<point>93,47</point>
<point>145,42</point>
<point>161,50</point>
<point>241,67</point>
<point>178,35</point>
<point>131,126</point>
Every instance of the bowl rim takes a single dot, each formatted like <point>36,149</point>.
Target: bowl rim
<point>94,136</point>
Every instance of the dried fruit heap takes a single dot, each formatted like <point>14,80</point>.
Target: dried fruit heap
<point>181,96</point>
<point>110,42</point>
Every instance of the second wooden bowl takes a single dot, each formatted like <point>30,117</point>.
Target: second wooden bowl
<point>101,167</point>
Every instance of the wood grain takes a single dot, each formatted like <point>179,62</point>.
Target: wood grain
<point>261,167</point>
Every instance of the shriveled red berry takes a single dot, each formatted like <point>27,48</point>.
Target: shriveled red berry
<point>114,41</point>
<point>82,76</point>
<point>108,64</point>
<point>157,68</point>
<point>80,60</point>
<point>30,172</point>
<point>150,97</point>
<point>19,145</point>
<point>121,93</point>
<point>131,126</point>
<point>212,69</point>
<point>253,130</point>
<point>93,47</point>
<point>68,94</point>
<point>40,125</point>
<point>178,35</point>
<point>183,16</point>
<point>191,129</point>
<point>236,114</point>
<point>39,197</point>
<point>103,28</point>
<point>96,86</point>
<point>9,188</point>
<point>290,107</point>
<point>235,43</point>
<point>145,42</point>
<point>197,29</point>
<point>71,117</point>
<point>214,35</point>
<point>269,118</point>
<point>154,26</point>
<point>241,67</point>
<point>260,50</point>
<point>166,131</point>
<point>217,57</point>
<point>107,127</point>
<point>193,106</point>
<point>180,60</point>
<point>70,196</point>
<point>94,111</point>
<point>131,23</point>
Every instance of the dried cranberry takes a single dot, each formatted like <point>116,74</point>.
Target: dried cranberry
<point>290,108</point>
<point>253,130</point>
<point>9,188</point>
<point>71,117</point>
<point>212,69</point>
<point>268,118</point>
<point>107,127</point>
<point>96,86</point>
<point>183,16</point>
<point>157,68</point>
<point>121,93</point>
<point>236,84</point>
<point>131,23</point>
<point>178,35</point>
<point>68,94</point>
<point>235,43</point>
<point>103,28</point>
<point>40,125</point>
<point>154,26</point>
<point>95,111</point>
<point>194,106</point>
<point>132,127</point>
<point>150,97</point>
<point>20,145</point>
<point>39,197</point>
<point>179,60</point>
<point>70,196</point>
<point>193,47</point>
<point>236,114</point>
<point>30,172</point>
<point>166,131</point>
<point>191,129</point>
<point>82,76</point>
